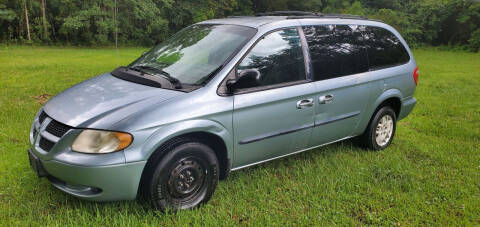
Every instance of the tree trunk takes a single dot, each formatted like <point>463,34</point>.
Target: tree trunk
<point>26,19</point>
<point>44,18</point>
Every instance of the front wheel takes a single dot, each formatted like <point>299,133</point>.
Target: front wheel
<point>381,130</point>
<point>185,178</point>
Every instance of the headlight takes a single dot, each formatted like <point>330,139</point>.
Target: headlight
<point>101,142</point>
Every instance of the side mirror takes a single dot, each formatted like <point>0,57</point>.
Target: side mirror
<point>246,79</point>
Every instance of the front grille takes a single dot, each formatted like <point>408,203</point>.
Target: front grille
<point>42,117</point>
<point>57,129</point>
<point>54,127</point>
<point>45,144</point>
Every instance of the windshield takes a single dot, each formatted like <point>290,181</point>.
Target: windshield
<point>192,55</point>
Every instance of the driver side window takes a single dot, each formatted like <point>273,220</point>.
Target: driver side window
<point>275,59</point>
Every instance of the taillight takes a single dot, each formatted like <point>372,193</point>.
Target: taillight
<point>415,75</point>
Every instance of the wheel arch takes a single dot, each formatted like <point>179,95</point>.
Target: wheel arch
<point>208,132</point>
<point>391,97</point>
<point>218,146</point>
<point>393,102</point>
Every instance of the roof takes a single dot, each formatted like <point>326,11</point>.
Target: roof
<point>270,17</point>
<point>250,21</point>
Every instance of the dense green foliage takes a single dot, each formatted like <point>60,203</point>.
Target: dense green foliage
<point>146,22</point>
<point>429,176</point>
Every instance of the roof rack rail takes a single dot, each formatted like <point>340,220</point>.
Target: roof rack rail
<point>306,15</point>
<point>238,16</point>
<point>285,13</point>
<point>340,16</point>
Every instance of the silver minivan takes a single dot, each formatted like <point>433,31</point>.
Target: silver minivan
<point>222,95</point>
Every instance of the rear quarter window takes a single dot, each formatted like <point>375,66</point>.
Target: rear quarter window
<point>384,48</point>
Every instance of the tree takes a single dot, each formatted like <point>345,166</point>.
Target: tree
<point>26,19</point>
<point>44,20</point>
<point>7,16</point>
<point>147,22</point>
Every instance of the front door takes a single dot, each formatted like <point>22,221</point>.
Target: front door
<point>273,116</point>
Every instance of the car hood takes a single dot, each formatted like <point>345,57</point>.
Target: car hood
<point>102,101</point>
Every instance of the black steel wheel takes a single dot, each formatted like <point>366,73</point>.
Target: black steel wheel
<point>184,178</point>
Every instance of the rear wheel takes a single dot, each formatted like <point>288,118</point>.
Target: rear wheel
<point>184,178</point>
<point>381,130</point>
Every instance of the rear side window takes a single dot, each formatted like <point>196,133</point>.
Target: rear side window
<point>384,48</point>
<point>336,50</point>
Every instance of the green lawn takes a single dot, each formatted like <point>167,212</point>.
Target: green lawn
<point>430,175</point>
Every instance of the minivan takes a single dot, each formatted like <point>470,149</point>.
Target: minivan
<point>219,96</point>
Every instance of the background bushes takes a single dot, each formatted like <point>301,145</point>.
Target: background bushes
<point>146,22</point>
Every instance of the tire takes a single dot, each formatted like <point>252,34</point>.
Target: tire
<point>185,178</point>
<point>385,120</point>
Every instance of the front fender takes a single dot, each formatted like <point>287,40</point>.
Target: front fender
<point>166,132</point>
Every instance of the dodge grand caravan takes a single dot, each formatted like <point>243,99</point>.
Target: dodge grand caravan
<point>221,95</point>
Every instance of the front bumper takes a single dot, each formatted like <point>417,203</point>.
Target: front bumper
<point>95,183</point>
<point>97,177</point>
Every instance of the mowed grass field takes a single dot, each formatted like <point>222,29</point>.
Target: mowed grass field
<point>430,175</point>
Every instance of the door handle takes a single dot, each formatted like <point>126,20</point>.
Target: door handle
<point>304,103</point>
<point>326,99</point>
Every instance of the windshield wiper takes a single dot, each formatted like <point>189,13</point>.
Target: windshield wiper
<point>174,81</point>
<point>138,77</point>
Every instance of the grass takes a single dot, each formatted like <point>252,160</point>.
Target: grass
<point>430,175</point>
